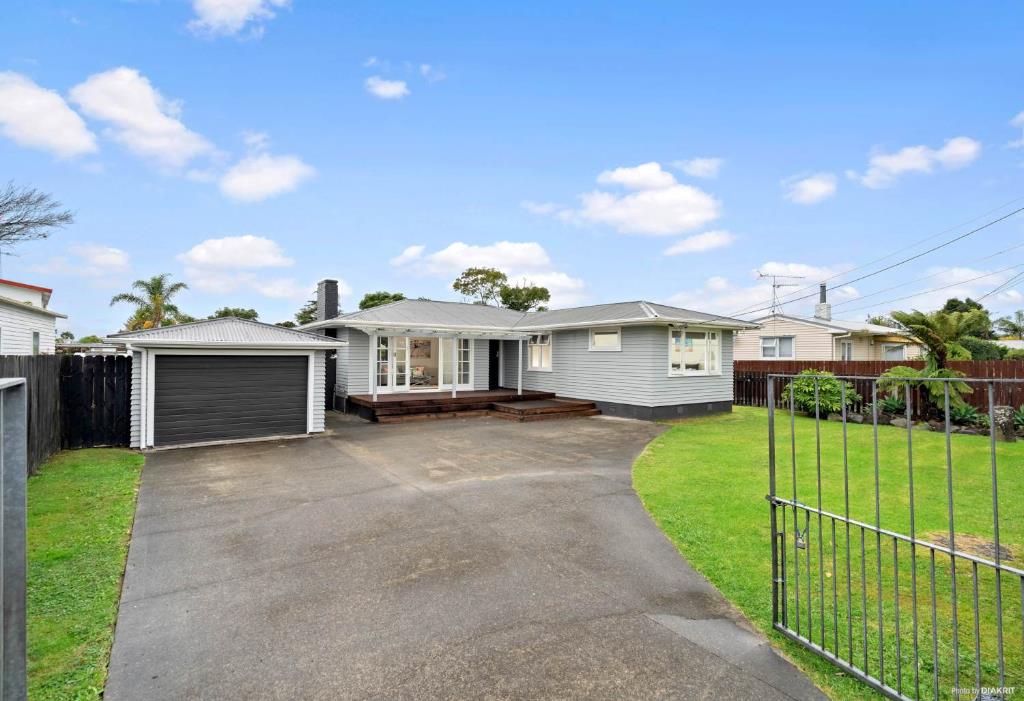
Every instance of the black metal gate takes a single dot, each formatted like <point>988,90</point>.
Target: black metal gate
<point>907,587</point>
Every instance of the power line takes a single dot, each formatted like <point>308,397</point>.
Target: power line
<point>1005,284</point>
<point>784,299</point>
<point>927,277</point>
<point>944,287</point>
<point>908,259</point>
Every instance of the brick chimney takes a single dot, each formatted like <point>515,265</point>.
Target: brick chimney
<point>326,299</point>
<point>822,310</point>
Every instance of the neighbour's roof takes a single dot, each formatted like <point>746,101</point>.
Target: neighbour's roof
<point>226,331</point>
<point>46,291</point>
<point>838,325</point>
<point>31,307</point>
<point>460,315</point>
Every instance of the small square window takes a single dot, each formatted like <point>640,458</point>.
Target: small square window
<point>605,339</point>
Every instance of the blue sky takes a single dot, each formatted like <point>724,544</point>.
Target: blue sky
<point>611,151</point>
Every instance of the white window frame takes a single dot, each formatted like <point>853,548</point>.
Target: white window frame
<point>551,352</point>
<point>37,343</point>
<point>776,356</point>
<point>901,346</point>
<point>843,345</point>
<point>683,372</point>
<point>605,330</point>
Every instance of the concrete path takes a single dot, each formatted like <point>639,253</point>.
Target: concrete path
<point>470,558</point>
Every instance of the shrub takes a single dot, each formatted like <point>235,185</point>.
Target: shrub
<point>965,415</point>
<point>1018,418</point>
<point>829,392</point>
<point>892,405</point>
<point>1014,354</point>
<point>980,349</point>
<point>895,380</point>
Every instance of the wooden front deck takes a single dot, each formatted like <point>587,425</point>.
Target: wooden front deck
<point>413,406</point>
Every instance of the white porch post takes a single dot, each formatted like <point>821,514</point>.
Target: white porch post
<point>455,365</point>
<point>373,365</point>
<point>519,371</point>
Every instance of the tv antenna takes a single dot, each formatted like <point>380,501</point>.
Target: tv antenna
<point>777,285</point>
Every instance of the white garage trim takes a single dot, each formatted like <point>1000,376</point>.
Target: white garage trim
<point>149,381</point>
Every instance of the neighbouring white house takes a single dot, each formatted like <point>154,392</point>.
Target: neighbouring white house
<point>789,337</point>
<point>27,326</point>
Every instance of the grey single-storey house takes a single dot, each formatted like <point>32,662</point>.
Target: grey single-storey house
<point>638,359</point>
<point>225,379</point>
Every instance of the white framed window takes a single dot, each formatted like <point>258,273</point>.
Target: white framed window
<point>606,339</point>
<point>463,361</point>
<point>694,352</point>
<point>846,350</point>
<point>35,343</point>
<point>778,347</point>
<point>894,351</point>
<point>539,352</point>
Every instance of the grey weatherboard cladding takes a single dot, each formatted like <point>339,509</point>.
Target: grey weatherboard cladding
<point>201,398</point>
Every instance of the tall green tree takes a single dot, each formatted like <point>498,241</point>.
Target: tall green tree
<point>525,297</point>
<point>983,321</point>
<point>482,284</point>
<point>1012,326</point>
<point>307,314</point>
<point>375,299</point>
<point>152,300</point>
<point>238,312</point>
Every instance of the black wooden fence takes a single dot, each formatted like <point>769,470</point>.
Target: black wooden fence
<point>96,400</point>
<point>74,401</point>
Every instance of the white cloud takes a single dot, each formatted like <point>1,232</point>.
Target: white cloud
<point>408,255</point>
<point>140,118</point>
<point>885,168</point>
<point>234,263</point>
<point>1017,121</point>
<point>699,243</point>
<point>371,62</point>
<point>259,176</point>
<point>38,118</point>
<point>700,167</point>
<point>540,207</point>
<point>386,89</point>
<point>647,176</point>
<point>723,296</point>
<point>656,206</point>
<point>662,212</point>
<point>246,251</point>
<point>87,260</point>
<point>228,17</point>
<point>811,189</point>
<point>432,74</point>
<point>965,282</point>
<point>523,262</point>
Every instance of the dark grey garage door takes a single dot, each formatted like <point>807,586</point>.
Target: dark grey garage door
<point>222,397</point>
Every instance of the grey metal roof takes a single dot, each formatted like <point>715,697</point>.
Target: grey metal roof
<point>424,312</point>
<point>226,331</point>
<point>459,315</point>
<point>839,325</point>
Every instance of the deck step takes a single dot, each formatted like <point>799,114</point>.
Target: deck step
<point>542,406</point>
<point>523,418</point>
<point>408,418</point>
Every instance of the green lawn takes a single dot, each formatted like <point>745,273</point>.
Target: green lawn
<point>80,509</point>
<point>704,482</point>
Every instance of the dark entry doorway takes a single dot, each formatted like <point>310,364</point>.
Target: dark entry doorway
<point>494,365</point>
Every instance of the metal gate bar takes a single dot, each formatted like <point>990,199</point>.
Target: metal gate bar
<point>928,651</point>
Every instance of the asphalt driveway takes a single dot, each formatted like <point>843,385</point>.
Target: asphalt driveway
<point>470,558</point>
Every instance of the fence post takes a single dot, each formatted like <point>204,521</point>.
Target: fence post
<point>13,475</point>
<point>771,500</point>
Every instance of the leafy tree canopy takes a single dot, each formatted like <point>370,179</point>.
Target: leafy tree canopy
<point>239,312</point>
<point>882,320</point>
<point>375,299</point>
<point>91,338</point>
<point>483,284</point>
<point>524,298</point>
<point>1012,326</point>
<point>65,337</point>
<point>942,333</point>
<point>286,324</point>
<point>307,314</point>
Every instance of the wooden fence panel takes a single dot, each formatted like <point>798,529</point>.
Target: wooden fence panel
<point>43,402</point>
<point>750,379</point>
<point>96,391</point>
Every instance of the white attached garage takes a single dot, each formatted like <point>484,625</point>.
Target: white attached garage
<point>225,380</point>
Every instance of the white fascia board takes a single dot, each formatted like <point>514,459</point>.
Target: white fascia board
<point>645,321</point>
<point>155,344</point>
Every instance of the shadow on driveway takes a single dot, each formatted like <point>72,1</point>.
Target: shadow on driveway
<point>452,559</point>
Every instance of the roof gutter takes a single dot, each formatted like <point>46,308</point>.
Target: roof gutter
<point>240,345</point>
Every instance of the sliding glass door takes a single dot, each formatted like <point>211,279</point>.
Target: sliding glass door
<point>410,364</point>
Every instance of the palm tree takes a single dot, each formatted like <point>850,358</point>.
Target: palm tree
<point>152,300</point>
<point>1014,326</point>
<point>941,332</point>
